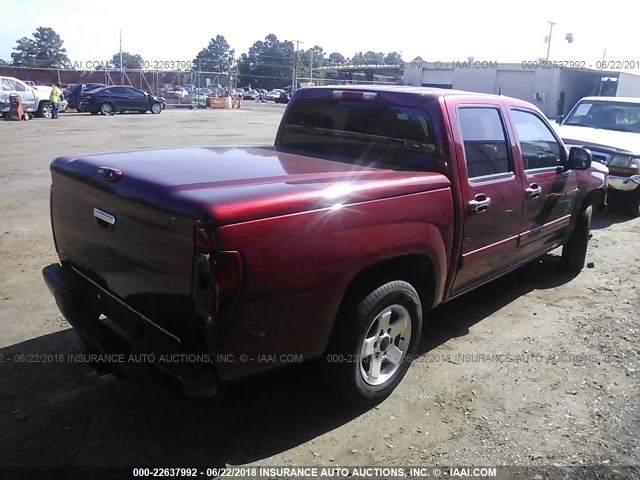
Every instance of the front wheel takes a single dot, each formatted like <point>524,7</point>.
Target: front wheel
<point>574,252</point>
<point>372,344</point>
<point>45,109</point>
<point>156,108</point>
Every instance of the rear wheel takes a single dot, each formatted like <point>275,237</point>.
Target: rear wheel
<point>107,109</point>
<point>574,252</point>
<point>632,203</point>
<point>372,344</point>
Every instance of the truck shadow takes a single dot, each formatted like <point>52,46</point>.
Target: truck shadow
<point>453,319</point>
<point>55,411</point>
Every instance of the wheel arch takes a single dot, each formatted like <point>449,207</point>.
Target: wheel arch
<point>417,269</point>
<point>40,107</point>
<point>596,197</point>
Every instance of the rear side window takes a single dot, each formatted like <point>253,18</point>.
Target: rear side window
<point>485,141</point>
<point>539,147</point>
<point>134,92</point>
<point>18,87</point>
<point>361,132</point>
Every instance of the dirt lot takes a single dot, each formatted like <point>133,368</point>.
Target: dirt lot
<point>537,368</point>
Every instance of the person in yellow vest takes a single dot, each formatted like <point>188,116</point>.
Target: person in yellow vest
<point>55,98</point>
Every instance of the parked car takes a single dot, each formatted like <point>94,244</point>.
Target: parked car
<point>35,99</point>
<point>74,93</point>
<point>121,98</point>
<point>175,91</point>
<point>189,87</point>
<point>272,95</point>
<point>374,205</point>
<point>251,95</point>
<point>610,128</point>
<point>284,97</point>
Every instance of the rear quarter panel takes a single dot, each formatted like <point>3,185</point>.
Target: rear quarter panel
<point>297,267</point>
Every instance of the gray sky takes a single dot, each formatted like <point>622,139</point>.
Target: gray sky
<point>447,30</point>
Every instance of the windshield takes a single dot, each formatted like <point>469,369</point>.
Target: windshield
<point>362,133</point>
<point>619,116</point>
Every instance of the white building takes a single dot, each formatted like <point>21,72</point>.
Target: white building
<point>554,89</point>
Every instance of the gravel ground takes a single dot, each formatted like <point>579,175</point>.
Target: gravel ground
<point>535,369</point>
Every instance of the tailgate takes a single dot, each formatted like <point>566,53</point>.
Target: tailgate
<point>141,253</point>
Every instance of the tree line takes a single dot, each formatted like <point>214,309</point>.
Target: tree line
<point>267,63</point>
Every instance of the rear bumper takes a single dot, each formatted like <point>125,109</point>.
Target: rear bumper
<point>141,350</point>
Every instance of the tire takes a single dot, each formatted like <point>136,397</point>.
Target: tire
<point>44,109</point>
<point>107,109</point>
<point>156,108</point>
<point>631,204</point>
<point>574,252</point>
<point>373,343</point>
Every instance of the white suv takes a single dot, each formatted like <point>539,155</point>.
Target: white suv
<point>35,99</point>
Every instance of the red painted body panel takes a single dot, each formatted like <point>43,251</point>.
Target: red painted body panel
<point>298,267</point>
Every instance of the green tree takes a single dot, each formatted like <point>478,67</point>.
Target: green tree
<point>357,59</point>
<point>3,63</point>
<point>393,58</point>
<point>308,59</point>
<point>217,57</point>
<point>44,50</point>
<point>129,60</point>
<point>336,57</point>
<point>268,64</point>
<point>373,57</point>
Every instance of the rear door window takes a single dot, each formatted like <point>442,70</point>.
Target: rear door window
<point>17,86</point>
<point>485,141</point>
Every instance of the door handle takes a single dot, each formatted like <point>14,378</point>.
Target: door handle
<point>479,203</point>
<point>104,219</point>
<point>534,190</point>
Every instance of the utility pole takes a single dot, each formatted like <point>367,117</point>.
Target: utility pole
<point>311,69</point>
<point>294,76</point>
<point>121,65</point>
<point>551,24</point>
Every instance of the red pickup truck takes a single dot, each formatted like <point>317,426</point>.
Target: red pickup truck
<point>374,205</point>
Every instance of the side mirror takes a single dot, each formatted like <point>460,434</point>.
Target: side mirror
<point>579,159</point>
<point>559,119</point>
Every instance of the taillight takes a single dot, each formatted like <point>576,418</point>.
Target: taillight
<point>217,280</point>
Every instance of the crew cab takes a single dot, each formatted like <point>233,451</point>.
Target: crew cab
<point>610,128</point>
<point>374,205</point>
